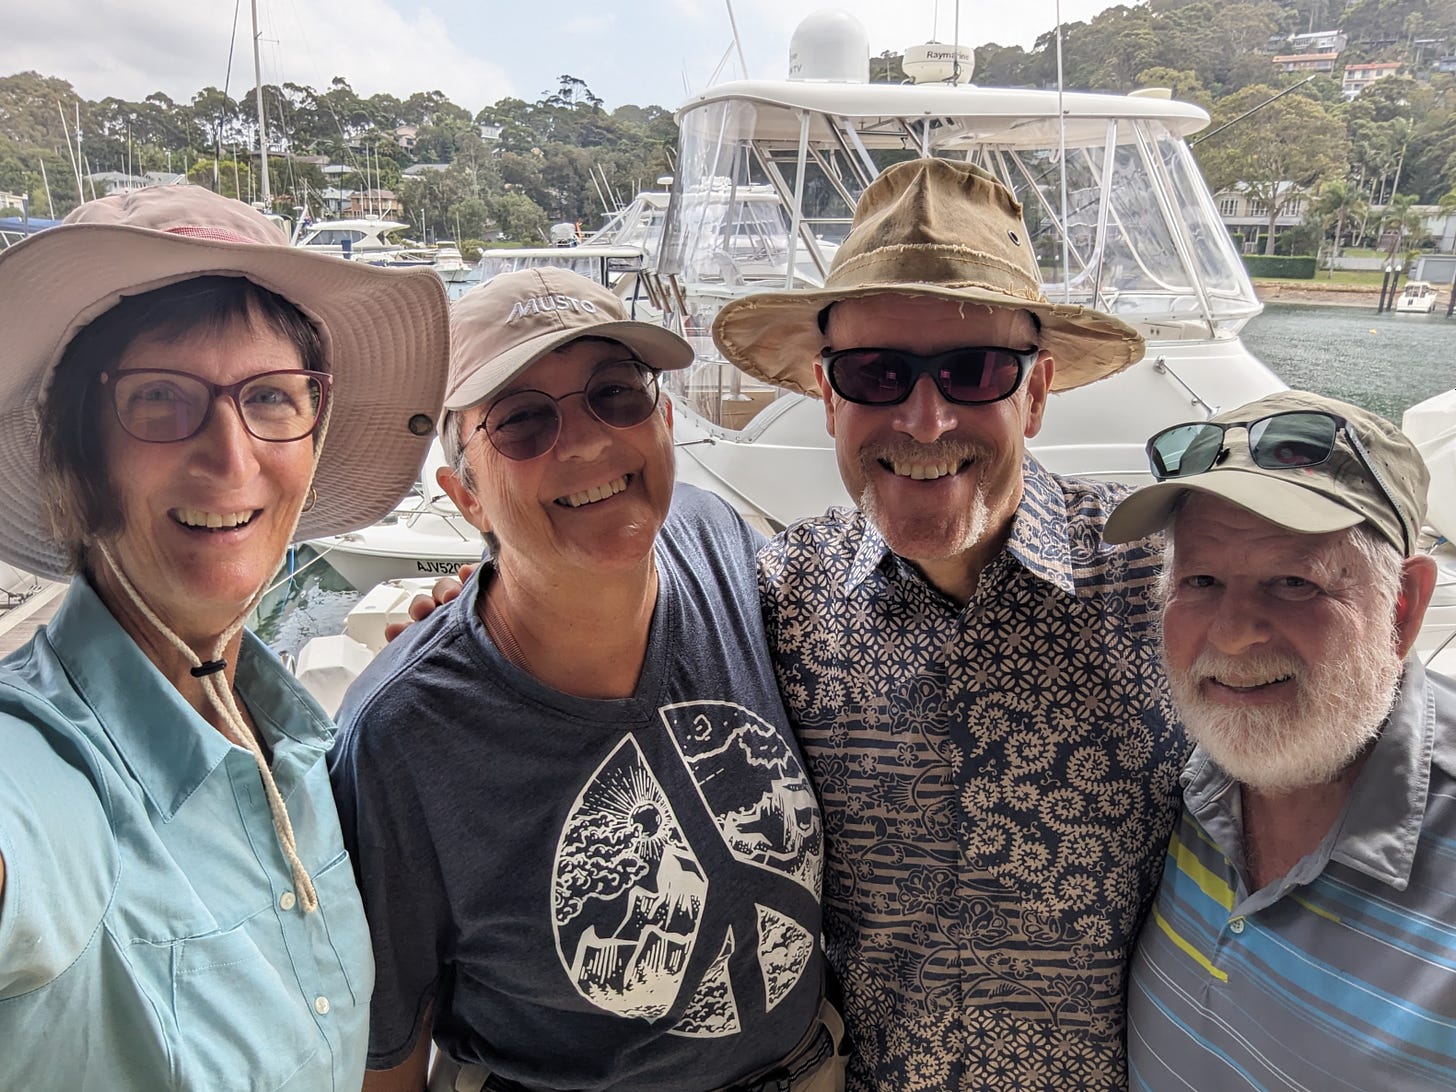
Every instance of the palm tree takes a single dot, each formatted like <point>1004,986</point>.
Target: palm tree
<point>1401,218</point>
<point>1337,202</point>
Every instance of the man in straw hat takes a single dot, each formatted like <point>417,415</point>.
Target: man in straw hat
<point>1302,932</point>
<point>182,394</point>
<point>972,672</point>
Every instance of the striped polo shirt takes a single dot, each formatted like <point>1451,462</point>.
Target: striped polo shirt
<point>1340,975</point>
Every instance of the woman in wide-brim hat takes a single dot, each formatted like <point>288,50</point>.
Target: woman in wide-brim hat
<point>176,909</point>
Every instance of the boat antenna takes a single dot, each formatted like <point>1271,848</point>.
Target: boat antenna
<point>266,195</point>
<point>1062,153</point>
<point>737,42</point>
<point>70,152</point>
<point>1246,113</point>
<point>46,182</point>
<point>955,49</point>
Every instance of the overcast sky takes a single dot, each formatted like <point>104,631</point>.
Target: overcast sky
<point>476,51</point>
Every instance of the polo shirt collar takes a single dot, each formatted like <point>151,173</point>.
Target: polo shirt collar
<point>1038,540</point>
<point>168,748</point>
<point>1381,822</point>
<point>1387,808</point>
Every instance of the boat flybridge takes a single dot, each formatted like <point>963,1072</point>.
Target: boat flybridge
<point>1119,216</point>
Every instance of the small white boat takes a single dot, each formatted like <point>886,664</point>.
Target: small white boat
<point>450,264</point>
<point>425,537</point>
<point>1416,298</point>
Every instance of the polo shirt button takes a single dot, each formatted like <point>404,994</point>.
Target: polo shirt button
<point>286,901</point>
<point>321,1005</point>
<point>1236,925</point>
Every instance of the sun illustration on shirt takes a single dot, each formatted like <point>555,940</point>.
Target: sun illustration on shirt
<point>638,806</point>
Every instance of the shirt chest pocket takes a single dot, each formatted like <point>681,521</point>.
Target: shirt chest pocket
<point>237,1018</point>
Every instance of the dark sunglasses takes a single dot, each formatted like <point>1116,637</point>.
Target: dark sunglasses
<point>972,375</point>
<point>1291,440</point>
<point>526,424</point>
<point>161,406</point>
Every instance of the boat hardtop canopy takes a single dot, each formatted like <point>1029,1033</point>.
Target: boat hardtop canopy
<point>1008,117</point>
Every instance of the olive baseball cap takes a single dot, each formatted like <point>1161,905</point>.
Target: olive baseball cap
<point>1379,478</point>
<point>501,328</point>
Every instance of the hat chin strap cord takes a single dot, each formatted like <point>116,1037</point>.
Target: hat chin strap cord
<point>211,674</point>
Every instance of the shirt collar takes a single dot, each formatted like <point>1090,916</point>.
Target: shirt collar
<point>1038,539</point>
<point>1381,822</point>
<point>168,748</point>
<point>1388,805</point>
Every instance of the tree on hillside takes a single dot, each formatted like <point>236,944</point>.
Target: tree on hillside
<point>1278,155</point>
<point>1183,83</point>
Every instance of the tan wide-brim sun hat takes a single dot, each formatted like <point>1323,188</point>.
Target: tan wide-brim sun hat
<point>501,328</point>
<point>926,227</point>
<point>385,335</point>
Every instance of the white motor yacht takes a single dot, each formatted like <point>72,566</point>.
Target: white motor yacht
<point>1119,216</point>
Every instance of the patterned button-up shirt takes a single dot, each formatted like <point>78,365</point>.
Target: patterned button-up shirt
<point>998,784</point>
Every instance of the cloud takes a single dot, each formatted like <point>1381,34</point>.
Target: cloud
<point>129,50</point>
<point>588,24</point>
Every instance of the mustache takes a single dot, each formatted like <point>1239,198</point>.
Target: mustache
<point>1249,669</point>
<point>943,450</point>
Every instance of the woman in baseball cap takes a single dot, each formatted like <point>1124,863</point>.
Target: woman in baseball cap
<point>181,395</point>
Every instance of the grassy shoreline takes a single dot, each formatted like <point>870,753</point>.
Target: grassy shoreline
<point>1327,294</point>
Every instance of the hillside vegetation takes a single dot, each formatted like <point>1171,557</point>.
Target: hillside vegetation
<point>516,166</point>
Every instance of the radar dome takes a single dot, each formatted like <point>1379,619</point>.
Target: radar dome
<point>830,45</point>
<point>936,63</point>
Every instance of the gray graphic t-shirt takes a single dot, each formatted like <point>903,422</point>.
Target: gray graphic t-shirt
<point>590,894</point>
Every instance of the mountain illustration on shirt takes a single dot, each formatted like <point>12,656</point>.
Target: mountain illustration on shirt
<point>629,893</point>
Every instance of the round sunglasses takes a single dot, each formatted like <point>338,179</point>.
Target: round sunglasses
<point>971,375</point>
<point>526,424</point>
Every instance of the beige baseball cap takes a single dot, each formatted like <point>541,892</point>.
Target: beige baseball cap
<point>1382,481</point>
<point>500,329</point>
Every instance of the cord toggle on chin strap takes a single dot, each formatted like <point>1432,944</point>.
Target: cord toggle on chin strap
<point>207,667</point>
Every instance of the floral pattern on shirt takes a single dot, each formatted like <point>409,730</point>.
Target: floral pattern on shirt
<point>998,784</point>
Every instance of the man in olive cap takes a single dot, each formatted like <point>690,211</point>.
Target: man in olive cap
<point>972,671</point>
<point>1302,933</point>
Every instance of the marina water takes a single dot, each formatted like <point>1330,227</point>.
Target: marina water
<point>1385,363</point>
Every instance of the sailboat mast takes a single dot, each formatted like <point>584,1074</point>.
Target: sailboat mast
<point>266,193</point>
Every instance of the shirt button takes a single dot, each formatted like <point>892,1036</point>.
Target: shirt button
<point>321,1005</point>
<point>1236,926</point>
<point>286,901</point>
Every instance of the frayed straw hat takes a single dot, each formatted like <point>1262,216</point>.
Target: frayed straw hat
<point>927,227</point>
<point>385,335</point>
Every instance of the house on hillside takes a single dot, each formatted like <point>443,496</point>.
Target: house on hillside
<point>1360,76</point>
<point>1320,41</point>
<point>406,135</point>
<point>1306,62</point>
<point>1248,217</point>
<point>381,203</point>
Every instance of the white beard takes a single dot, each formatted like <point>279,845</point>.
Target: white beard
<point>1337,709</point>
